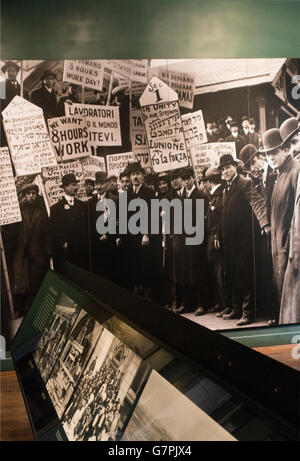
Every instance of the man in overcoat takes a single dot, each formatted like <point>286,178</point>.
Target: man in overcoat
<point>282,202</point>
<point>236,233</point>
<point>69,227</point>
<point>45,97</point>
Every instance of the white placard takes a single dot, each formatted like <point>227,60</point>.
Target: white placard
<point>84,72</point>
<point>194,129</point>
<point>91,165</point>
<point>9,204</point>
<point>116,163</point>
<point>157,92</point>
<point>139,140</point>
<point>69,137</point>
<point>182,83</point>
<point>132,69</point>
<point>27,137</point>
<point>208,155</point>
<point>103,122</point>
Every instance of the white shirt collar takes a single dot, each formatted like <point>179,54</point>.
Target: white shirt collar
<point>189,192</point>
<point>136,188</point>
<point>213,189</point>
<point>48,89</point>
<point>69,199</point>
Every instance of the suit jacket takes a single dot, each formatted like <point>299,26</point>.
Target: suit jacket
<point>47,101</point>
<point>10,92</point>
<point>240,142</point>
<point>236,231</point>
<point>253,138</point>
<point>69,224</point>
<point>214,214</point>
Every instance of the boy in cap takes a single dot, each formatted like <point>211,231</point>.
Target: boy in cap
<point>44,96</point>
<point>68,224</point>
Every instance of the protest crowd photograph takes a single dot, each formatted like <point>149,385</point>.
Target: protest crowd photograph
<point>175,179</point>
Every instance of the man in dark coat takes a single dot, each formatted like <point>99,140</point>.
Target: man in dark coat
<point>235,137</point>
<point>144,247</point>
<point>262,184</point>
<point>253,137</point>
<point>12,89</point>
<point>236,231</point>
<point>69,227</point>
<point>194,264</point>
<point>32,252</point>
<point>102,246</point>
<point>282,203</point>
<point>44,96</point>
<point>214,250</point>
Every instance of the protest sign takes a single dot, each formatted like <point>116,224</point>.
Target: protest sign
<point>208,155</point>
<point>116,163</point>
<point>163,127</point>
<point>182,83</point>
<point>138,139</point>
<point>9,204</point>
<point>103,122</point>
<point>69,137</point>
<point>84,72</point>
<point>132,69</point>
<point>91,165</point>
<point>194,129</point>
<point>27,137</point>
<point>52,180</point>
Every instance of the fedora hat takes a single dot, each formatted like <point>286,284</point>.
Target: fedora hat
<point>288,128</point>
<point>28,187</point>
<point>187,172</point>
<point>271,140</point>
<point>47,73</point>
<point>247,153</point>
<point>68,179</point>
<point>100,176</point>
<point>134,166</point>
<point>10,64</point>
<point>226,159</point>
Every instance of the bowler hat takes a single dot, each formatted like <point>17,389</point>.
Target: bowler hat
<point>187,172</point>
<point>226,159</point>
<point>10,64</point>
<point>247,153</point>
<point>68,179</point>
<point>100,176</point>
<point>47,73</point>
<point>28,187</point>
<point>271,140</point>
<point>288,128</point>
<point>134,166</point>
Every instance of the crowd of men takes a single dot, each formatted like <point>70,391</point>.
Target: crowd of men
<point>247,265</point>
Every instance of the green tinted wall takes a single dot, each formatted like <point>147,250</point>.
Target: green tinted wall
<point>39,29</point>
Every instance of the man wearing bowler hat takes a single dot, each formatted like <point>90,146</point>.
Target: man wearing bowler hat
<point>282,202</point>
<point>68,226</point>
<point>144,247</point>
<point>101,247</point>
<point>44,96</point>
<point>236,241</point>
<point>290,133</point>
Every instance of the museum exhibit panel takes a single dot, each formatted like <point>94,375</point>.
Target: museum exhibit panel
<point>89,369</point>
